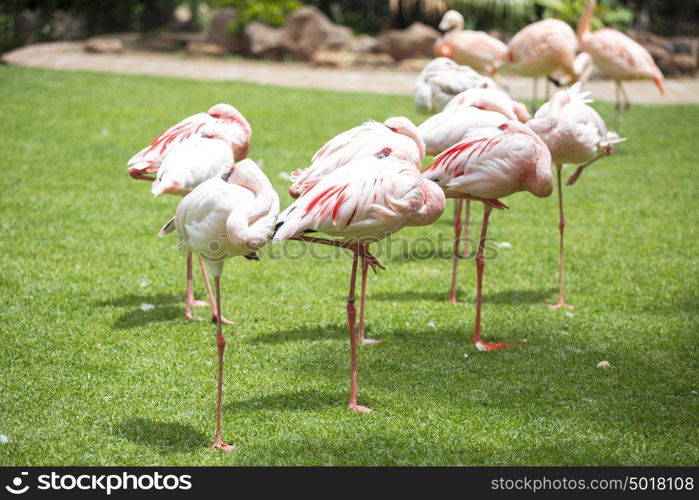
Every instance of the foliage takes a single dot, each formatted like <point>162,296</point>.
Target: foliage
<point>272,12</point>
<point>89,377</point>
<point>608,13</point>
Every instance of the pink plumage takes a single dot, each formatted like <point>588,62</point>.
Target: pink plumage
<point>488,164</point>
<point>397,137</point>
<point>473,48</point>
<point>222,116</point>
<point>617,55</point>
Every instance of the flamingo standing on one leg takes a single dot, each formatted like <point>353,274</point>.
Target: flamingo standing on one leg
<point>397,137</point>
<point>473,48</point>
<point>441,80</point>
<point>617,56</point>
<point>442,131</point>
<point>225,216</point>
<point>488,164</point>
<point>574,133</point>
<point>542,48</point>
<point>145,165</point>
<point>360,203</point>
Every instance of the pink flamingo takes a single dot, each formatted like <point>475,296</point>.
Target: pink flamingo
<point>542,48</point>
<point>442,131</point>
<point>190,159</point>
<point>225,216</point>
<point>617,56</point>
<point>441,80</point>
<point>574,133</point>
<point>473,48</point>
<point>360,203</point>
<point>396,137</point>
<point>488,164</point>
<point>489,99</point>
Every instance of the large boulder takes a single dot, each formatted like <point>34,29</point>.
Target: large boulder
<point>262,40</point>
<point>414,41</point>
<point>308,30</point>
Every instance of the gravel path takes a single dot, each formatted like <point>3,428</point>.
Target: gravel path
<point>71,56</point>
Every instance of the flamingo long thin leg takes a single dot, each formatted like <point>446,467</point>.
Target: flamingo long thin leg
<point>561,226</point>
<point>351,317</point>
<point>467,228</point>
<point>214,308</point>
<point>455,257</point>
<point>627,102</point>
<point>480,267</point>
<point>362,306</point>
<point>573,178</point>
<point>221,346</point>
<point>189,300</point>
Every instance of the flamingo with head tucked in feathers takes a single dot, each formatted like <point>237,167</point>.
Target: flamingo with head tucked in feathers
<point>574,133</point>
<point>396,137</point>
<point>489,99</point>
<point>541,49</point>
<point>488,164</point>
<point>442,131</point>
<point>360,203</point>
<point>617,56</point>
<point>189,153</point>
<point>472,48</point>
<point>226,216</point>
<point>441,80</point>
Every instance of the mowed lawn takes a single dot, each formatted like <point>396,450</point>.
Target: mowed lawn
<point>89,377</point>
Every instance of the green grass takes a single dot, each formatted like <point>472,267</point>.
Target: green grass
<point>87,377</point>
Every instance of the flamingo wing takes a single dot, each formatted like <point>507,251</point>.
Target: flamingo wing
<point>364,195</point>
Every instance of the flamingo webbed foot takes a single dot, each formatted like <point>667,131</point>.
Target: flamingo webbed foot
<point>561,305</point>
<point>368,341</point>
<point>220,445</point>
<point>359,409</point>
<point>494,346</point>
<point>224,320</point>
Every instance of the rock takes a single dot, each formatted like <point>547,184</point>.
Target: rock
<point>414,41</point>
<point>205,49</point>
<point>374,60</point>
<point>333,59</point>
<point>686,64</point>
<point>218,27</point>
<point>261,40</point>
<point>103,45</point>
<point>309,30</point>
<point>413,64</point>
<point>364,43</point>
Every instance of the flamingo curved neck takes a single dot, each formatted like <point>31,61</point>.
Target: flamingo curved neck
<point>458,24</point>
<point>584,24</point>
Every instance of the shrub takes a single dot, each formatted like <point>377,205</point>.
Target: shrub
<point>273,12</point>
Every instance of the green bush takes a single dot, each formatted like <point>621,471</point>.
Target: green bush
<point>272,12</point>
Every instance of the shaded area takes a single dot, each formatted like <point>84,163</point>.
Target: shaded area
<point>305,400</point>
<point>170,436</point>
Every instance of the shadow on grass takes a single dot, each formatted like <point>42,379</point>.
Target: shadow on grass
<point>304,333</point>
<point>139,317</point>
<point>168,436</point>
<point>510,297</point>
<point>304,400</point>
<point>136,300</point>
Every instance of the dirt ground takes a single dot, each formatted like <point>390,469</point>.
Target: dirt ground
<point>71,56</point>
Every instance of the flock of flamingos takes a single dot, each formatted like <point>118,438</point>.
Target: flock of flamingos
<point>367,183</point>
